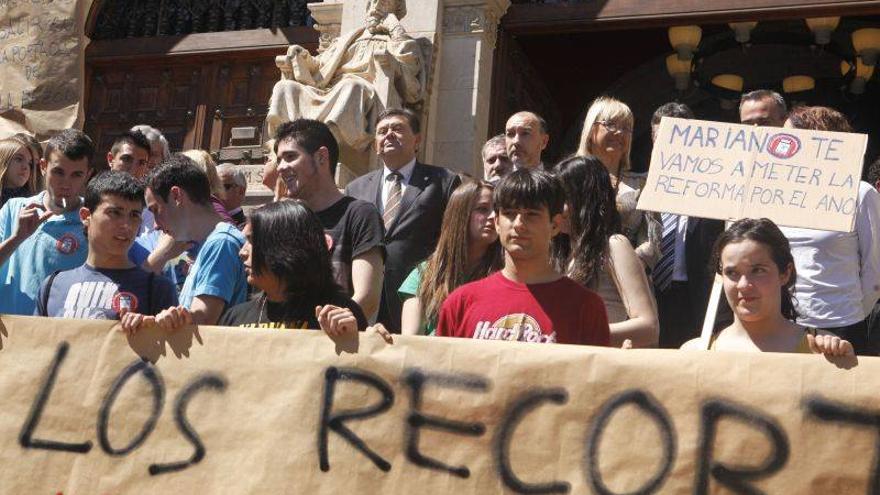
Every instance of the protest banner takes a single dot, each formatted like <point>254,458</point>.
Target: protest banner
<point>41,65</point>
<point>797,178</point>
<point>222,410</point>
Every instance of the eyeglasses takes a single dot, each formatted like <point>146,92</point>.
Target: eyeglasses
<point>229,186</point>
<point>614,128</point>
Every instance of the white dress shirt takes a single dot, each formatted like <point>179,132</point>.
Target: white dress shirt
<point>406,171</point>
<point>838,273</point>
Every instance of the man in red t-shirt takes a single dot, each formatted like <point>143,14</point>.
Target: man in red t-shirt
<point>528,300</point>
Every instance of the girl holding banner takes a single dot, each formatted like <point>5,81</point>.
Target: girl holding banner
<point>758,272</point>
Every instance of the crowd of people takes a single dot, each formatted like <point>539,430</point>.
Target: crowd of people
<point>532,251</point>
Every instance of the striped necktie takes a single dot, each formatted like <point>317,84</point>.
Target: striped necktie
<point>664,268</point>
<point>392,203</point>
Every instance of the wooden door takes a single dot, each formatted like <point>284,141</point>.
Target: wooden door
<point>205,90</point>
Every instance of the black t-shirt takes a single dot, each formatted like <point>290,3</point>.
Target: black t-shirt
<point>352,228</point>
<point>262,313</point>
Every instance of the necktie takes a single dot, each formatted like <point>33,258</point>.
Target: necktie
<point>392,203</point>
<point>666,264</point>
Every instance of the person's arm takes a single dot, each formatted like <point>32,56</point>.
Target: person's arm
<point>627,271</point>
<point>29,219</point>
<point>366,279</point>
<point>867,227</point>
<point>411,317</point>
<point>649,250</point>
<point>166,250</point>
<point>206,310</point>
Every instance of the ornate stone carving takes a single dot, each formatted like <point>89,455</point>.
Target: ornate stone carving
<point>329,32</point>
<point>474,19</point>
<point>465,19</point>
<point>358,75</point>
<point>328,22</point>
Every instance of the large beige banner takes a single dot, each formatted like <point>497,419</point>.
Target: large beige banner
<point>796,178</point>
<point>220,410</point>
<point>41,65</point>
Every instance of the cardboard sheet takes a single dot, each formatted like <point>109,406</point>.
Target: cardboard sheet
<point>794,177</point>
<point>41,65</point>
<point>217,410</point>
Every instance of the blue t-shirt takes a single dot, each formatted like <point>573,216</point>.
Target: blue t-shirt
<point>100,293</point>
<point>58,244</point>
<point>217,270</point>
<point>175,270</point>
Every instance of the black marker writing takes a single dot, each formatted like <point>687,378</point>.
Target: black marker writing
<point>26,437</point>
<point>417,380</point>
<point>520,408</point>
<point>336,421</point>
<point>210,381</point>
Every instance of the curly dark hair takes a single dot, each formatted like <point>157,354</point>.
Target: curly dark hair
<point>819,119</point>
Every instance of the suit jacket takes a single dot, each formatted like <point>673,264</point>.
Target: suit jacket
<point>700,241</point>
<point>413,234</point>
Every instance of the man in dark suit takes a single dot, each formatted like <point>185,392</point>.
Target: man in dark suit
<point>411,197</point>
<point>683,275</point>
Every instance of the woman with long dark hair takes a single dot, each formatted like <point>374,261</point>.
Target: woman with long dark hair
<point>286,257</point>
<point>467,250</point>
<point>593,252</point>
<point>755,262</point>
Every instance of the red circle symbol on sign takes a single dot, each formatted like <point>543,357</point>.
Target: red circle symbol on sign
<point>784,145</point>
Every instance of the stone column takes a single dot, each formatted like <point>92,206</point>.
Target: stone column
<point>460,104</point>
<point>328,17</point>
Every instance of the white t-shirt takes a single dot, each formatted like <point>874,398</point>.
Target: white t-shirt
<point>838,273</point>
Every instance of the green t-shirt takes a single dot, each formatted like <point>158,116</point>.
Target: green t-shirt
<point>410,288</point>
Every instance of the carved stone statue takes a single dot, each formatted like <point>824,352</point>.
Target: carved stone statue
<point>356,77</point>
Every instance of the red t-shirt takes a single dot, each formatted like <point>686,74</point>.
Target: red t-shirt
<point>496,308</point>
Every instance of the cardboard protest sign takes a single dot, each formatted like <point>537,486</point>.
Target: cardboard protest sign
<point>794,177</point>
<point>41,65</point>
<point>220,410</point>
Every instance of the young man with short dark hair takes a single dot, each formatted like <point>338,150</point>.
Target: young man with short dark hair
<point>130,153</point>
<point>179,196</point>
<point>108,285</point>
<point>307,158</point>
<point>42,234</point>
<point>528,300</point>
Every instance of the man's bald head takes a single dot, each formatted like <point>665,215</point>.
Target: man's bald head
<point>526,137</point>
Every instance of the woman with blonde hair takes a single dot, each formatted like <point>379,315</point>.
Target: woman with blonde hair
<point>19,174</point>
<point>467,250</point>
<point>204,161</point>
<point>607,135</point>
